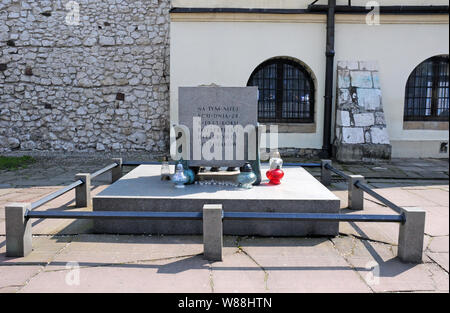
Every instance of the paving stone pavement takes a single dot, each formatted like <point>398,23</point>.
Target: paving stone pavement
<point>361,259</point>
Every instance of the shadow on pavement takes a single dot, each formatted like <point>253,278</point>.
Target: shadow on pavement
<point>195,262</point>
<point>390,268</point>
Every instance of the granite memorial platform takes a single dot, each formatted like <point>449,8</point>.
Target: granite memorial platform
<point>142,190</point>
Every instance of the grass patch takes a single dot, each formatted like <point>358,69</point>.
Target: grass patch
<point>14,163</point>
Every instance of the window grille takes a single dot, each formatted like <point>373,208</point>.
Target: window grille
<point>427,91</point>
<point>286,92</point>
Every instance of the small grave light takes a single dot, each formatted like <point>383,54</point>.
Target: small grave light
<point>246,178</point>
<point>275,160</point>
<point>190,175</point>
<point>165,169</point>
<point>275,175</point>
<point>179,179</point>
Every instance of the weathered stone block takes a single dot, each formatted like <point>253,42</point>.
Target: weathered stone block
<point>344,79</point>
<point>364,119</point>
<point>342,118</point>
<point>107,41</point>
<point>369,99</point>
<point>361,79</point>
<point>376,80</point>
<point>353,135</point>
<point>367,137</point>
<point>368,65</point>
<point>379,135</point>
<point>13,143</point>
<point>344,96</point>
<point>379,118</point>
<point>350,153</point>
<point>350,65</point>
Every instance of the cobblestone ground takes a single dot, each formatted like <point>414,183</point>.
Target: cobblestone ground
<point>361,259</point>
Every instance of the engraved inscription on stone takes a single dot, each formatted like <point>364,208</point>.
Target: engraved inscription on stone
<point>217,119</point>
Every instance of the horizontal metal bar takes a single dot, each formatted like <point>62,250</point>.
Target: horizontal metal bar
<point>115,215</point>
<point>313,217</point>
<point>303,164</point>
<point>104,170</point>
<point>380,198</point>
<point>132,163</point>
<point>56,194</point>
<point>226,216</point>
<point>336,171</point>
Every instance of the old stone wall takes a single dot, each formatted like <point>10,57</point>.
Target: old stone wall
<point>101,85</point>
<point>361,132</point>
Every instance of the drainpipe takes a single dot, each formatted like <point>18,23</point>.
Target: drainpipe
<point>329,78</point>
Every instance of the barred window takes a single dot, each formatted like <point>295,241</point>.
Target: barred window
<point>427,91</point>
<point>286,92</point>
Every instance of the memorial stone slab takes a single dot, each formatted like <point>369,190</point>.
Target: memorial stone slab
<point>212,118</point>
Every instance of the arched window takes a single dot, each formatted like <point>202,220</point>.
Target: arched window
<point>286,92</point>
<point>427,91</point>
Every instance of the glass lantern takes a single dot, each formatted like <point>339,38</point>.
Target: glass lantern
<point>179,179</point>
<point>275,161</point>
<point>190,176</point>
<point>275,176</point>
<point>246,178</point>
<point>165,169</point>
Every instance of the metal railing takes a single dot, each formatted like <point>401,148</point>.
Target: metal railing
<point>411,221</point>
<point>377,196</point>
<point>412,228</point>
<point>356,185</point>
<point>336,171</point>
<point>84,180</point>
<point>114,215</point>
<point>137,163</point>
<point>104,170</point>
<point>56,194</point>
<point>318,217</point>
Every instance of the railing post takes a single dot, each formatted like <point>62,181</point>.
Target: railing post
<point>411,235</point>
<point>83,191</point>
<point>18,230</point>
<point>116,172</point>
<point>355,195</point>
<point>325,177</point>
<point>212,232</point>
